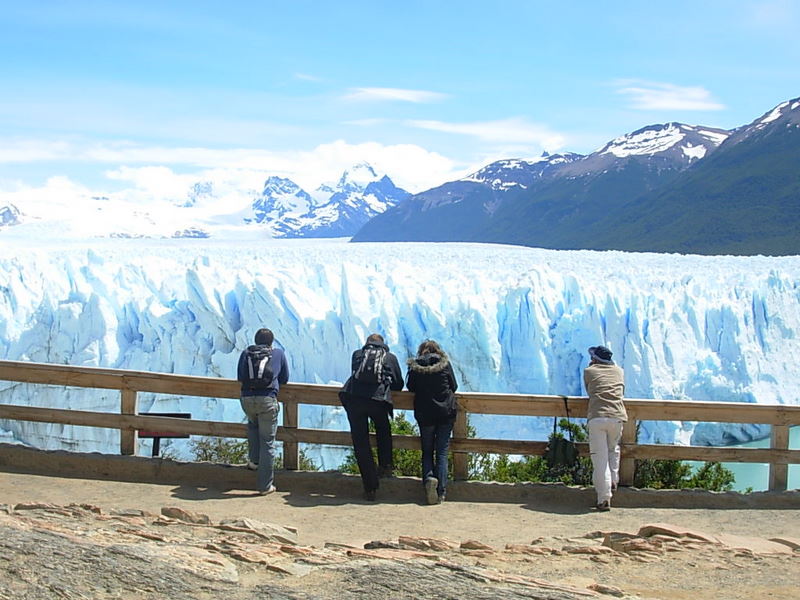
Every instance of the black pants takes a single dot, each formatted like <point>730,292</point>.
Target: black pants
<point>359,411</point>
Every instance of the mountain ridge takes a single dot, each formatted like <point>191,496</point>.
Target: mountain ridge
<point>634,194</point>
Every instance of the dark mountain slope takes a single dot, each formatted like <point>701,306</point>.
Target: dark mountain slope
<point>743,199</point>
<point>560,213</point>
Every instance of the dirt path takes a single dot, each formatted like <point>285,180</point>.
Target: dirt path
<point>704,572</point>
<point>348,520</point>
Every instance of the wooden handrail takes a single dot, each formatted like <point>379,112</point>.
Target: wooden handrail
<point>130,383</point>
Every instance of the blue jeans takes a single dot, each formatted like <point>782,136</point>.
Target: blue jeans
<point>262,427</point>
<point>435,445</point>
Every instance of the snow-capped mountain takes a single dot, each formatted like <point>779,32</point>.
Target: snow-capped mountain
<point>208,209</point>
<point>743,199</point>
<point>546,202</point>
<point>785,115</point>
<point>505,174</point>
<point>676,138</point>
<point>335,210</point>
<point>672,146</point>
<point>663,188</point>
<point>281,206</point>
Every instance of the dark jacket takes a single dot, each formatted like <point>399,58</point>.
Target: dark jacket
<point>433,382</point>
<point>393,378</point>
<point>280,374</point>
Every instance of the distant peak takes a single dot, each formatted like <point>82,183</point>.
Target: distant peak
<point>654,139</point>
<point>779,111</point>
<point>282,184</point>
<point>357,177</point>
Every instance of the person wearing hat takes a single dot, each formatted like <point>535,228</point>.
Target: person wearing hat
<point>605,385</point>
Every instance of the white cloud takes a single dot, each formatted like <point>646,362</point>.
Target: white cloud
<point>394,94</point>
<point>164,172</point>
<point>646,95</point>
<point>155,182</point>
<point>506,131</point>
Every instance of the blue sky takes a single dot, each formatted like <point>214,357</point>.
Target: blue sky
<point>104,95</point>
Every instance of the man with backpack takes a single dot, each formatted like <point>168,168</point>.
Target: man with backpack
<point>367,396</point>
<point>261,370</point>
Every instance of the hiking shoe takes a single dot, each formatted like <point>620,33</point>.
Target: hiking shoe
<point>604,506</point>
<point>431,494</point>
<point>370,495</point>
<point>269,490</point>
<point>252,466</point>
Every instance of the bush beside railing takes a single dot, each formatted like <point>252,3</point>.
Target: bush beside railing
<point>292,395</point>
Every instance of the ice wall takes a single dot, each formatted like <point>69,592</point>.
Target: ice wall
<point>513,319</point>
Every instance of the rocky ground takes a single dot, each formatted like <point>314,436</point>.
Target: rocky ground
<point>84,551</point>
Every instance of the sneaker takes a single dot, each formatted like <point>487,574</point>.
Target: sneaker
<point>269,490</point>
<point>604,506</point>
<point>431,494</point>
<point>442,497</point>
<point>370,495</point>
<point>252,466</point>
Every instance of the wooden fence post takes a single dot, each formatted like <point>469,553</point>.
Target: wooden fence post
<point>460,459</point>
<point>627,466</point>
<point>779,473</point>
<point>291,450</point>
<point>128,438</point>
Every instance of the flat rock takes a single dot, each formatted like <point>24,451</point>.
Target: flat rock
<point>174,512</point>
<point>675,531</point>
<point>420,543</point>
<point>753,544</point>
<point>475,545</point>
<point>269,531</point>
<point>793,543</point>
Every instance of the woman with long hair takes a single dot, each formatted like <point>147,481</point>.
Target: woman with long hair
<point>431,378</point>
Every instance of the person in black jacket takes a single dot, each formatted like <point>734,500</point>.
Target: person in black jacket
<point>367,395</point>
<point>431,378</point>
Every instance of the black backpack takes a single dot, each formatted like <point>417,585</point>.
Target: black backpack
<point>370,369</point>
<point>258,368</point>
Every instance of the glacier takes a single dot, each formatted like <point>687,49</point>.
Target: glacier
<point>514,320</point>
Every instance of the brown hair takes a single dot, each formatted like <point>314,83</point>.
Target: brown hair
<point>375,338</point>
<point>429,347</point>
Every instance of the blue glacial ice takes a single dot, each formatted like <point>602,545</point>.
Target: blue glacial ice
<point>515,320</point>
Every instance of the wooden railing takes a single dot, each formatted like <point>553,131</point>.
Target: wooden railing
<point>292,395</point>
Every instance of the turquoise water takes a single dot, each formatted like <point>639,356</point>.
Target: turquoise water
<point>756,475</point>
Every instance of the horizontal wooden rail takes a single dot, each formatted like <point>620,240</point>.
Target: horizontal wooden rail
<point>130,383</point>
<point>327,395</point>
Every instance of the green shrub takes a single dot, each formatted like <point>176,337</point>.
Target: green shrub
<point>219,450</point>
<point>234,452</point>
<point>486,466</point>
<point>675,474</point>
